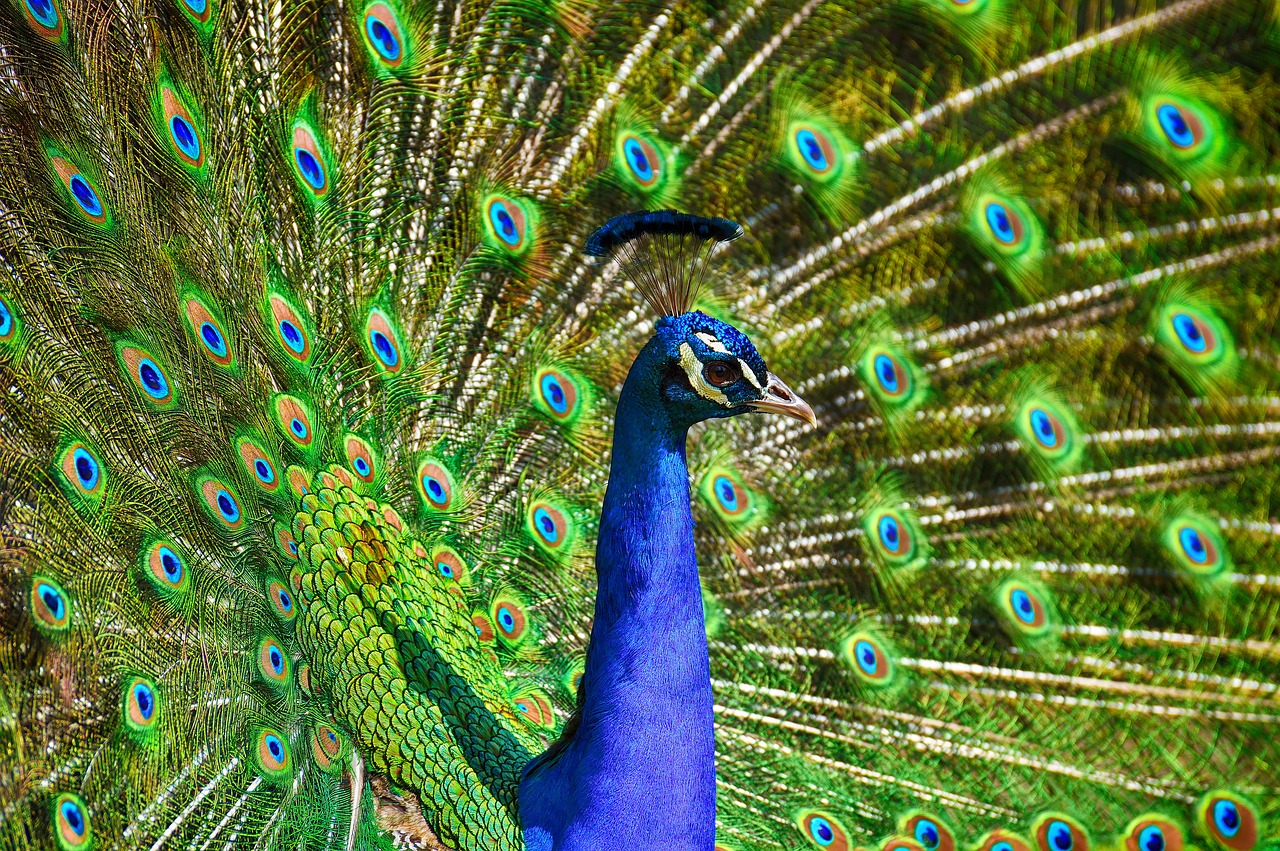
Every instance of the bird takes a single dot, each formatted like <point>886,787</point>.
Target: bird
<point>743,425</point>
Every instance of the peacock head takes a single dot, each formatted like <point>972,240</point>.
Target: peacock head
<point>712,370</point>
<point>705,368</point>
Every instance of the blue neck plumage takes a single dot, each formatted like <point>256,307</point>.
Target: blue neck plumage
<point>639,770</point>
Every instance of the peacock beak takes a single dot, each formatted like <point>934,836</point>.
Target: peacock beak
<point>779,399</point>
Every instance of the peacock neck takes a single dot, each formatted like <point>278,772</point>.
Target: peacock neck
<point>640,767</point>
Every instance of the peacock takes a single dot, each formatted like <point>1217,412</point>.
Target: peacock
<point>654,424</point>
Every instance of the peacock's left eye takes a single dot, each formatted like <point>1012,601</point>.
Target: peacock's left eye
<point>720,373</point>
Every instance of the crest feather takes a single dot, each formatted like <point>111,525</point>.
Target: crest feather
<point>664,252</point>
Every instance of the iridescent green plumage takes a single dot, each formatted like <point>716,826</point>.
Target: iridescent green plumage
<point>305,393</point>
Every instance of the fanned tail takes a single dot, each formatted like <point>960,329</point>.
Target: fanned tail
<point>307,384</point>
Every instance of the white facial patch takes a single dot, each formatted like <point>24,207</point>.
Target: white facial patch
<point>693,368</point>
<point>715,345</point>
<point>712,342</point>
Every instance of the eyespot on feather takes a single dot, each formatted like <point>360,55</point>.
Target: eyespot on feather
<point>866,655</point>
<point>83,473</point>
<point>435,485</point>
<point>272,755</point>
<point>449,566</point>
<point>1002,840</point>
<point>71,824</point>
<point>293,417</point>
<point>309,162</point>
<point>50,606</point>
<point>146,373</point>
<point>821,829</point>
<point>289,328</point>
<point>556,394</point>
<point>930,831</point>
<point>509,618</point>
<point>45,17</point>
<point>258,464</point>
<point>383,35</point>
<point>327,746</point>
<point>9,323</point>
<point>165,568</point>
<point>282,601</point>
<point>221,502</point>
<point>534,708</point>
<point>360,458</point>
<point>180,130</point>
<point>1228,821</point>
<point>1152,832</point>
<point>86,199</point>
<point>1059,832</point>
<point>140,706</point>
<point>549,525</point>
<point>383,342</point>
<point>209,333</point>
<point>273,664</point>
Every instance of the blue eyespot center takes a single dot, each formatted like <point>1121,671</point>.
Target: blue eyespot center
<point>277,660</point>
<point>70,812</point>
<point>811,150</point>
<point>1060,836</point>
<point>362,466</point>
<point>86,469</point>
<point>890,533</point>
<point>298,427</point>
<point>171,565</point>
<point>927,834</point>
<point>286,602</point>
<point>638,160</point>
<point>503,224</point>
<point>1001,226</point>
<point>1175,127</point>
<point>383,348</point>
<point>445,570</point>
<point>1022,606</point>
<point>197,6</point>
<point>213,339</point>
<point>506,619</point>
<point>1193,545</point>
<point>886,373</point>
<point>153,380</point>
<point>554,394</point>
<point>545,525</point>
<point>1189,333</point>
<point>6,319</point>
<point>1002,846</point>
<point>866,656</point>
<point>1042,427</point>
<point>382,39</point>
<point>1226,817</point>
<point>275,748</point>
<point>85,196</point>
<point>264,471</point>
<point>142,697</point>
<point>184,136</point>
<point>822,831</point>
<point>1151,839</point>
<point>292,336</point>
<point>52,600</point>
<point>227,506</point>
<point>309,167</point>
<point>435,491</point>
<point>44,13</point>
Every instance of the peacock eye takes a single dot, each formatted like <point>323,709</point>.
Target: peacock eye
<point>720,373</point>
